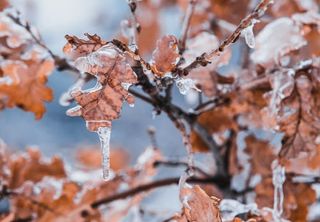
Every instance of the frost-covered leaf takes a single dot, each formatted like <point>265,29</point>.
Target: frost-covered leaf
<point>101,104</point>
<point>31,167</point>
<point>275,40</point>
<point>262,156</point>
<point>298,32</point>
<point>294,105</point>
<point>198,206</point>
<point>166,55</point>
<point>24,69</point>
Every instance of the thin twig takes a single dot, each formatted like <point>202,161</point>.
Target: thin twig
<point>134,26</point>
<point>205,58</point>
<point>61,63</point>
<point>186,25</point>
<point>172,163</point>
<point>220,181</point>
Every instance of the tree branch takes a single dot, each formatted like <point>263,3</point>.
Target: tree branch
<point>186,25</point>
<point>61,63</point>
<point>220,181</point>
<point>205,58</point>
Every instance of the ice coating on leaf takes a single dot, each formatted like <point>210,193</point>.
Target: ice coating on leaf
<point>24,67</point>
<point>198,206</point>
<point>278,179</point>
<point>74,111</point>
<point>101,104</point>
<point>104,137</point>
<point>185,85</point>
<point>283,85</point>
<point>275,40</point>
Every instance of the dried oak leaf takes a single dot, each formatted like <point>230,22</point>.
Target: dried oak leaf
<point>27,89</point>
<point>198,206</point>
<point>31,167</point>
<point>295,108</point>
<point>51,200</point>
<point>277,39</point>
<point>3,4</point>
<point>261,155</point>
<point>165,56</point>
<point>287,40</point>
<point>286,8</point>
<point>24,69</point>
<point>148,14</point>
<point>101,104</point>
<point>298,197</point>
<point>231,11</point>
<point>246,105</point>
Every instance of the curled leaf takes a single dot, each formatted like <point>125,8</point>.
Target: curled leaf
<point>166,55</point>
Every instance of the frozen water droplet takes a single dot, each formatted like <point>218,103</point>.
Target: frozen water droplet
<point>126,85</point>
<point>278,179</point>
<point>184,85</point>
<point>154,114</point>
<point>104,137</point>
<point>249,36</point>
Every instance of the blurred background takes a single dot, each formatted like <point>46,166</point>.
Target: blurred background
<point>59,134</point>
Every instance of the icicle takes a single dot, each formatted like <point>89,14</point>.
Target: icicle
<point>278,178</point>
<point>104,137</point>
<point>249,36</point>
<point>184,85</point>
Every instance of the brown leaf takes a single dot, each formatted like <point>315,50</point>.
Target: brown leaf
<point>261,155</point>
<point>166,55</point>
<point>102,104</point>
<point>295,107</point>
<point>198,206</point>
<point>31,167</point>
<point>27,90</point>
<point>271,45</point>
<point>221,118</point>
<point>25,70</point>
<point>298,197</point>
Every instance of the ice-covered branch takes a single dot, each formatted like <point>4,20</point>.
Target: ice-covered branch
<point>186,24</point>
<point>219,181</point>
<point>205,58</point>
